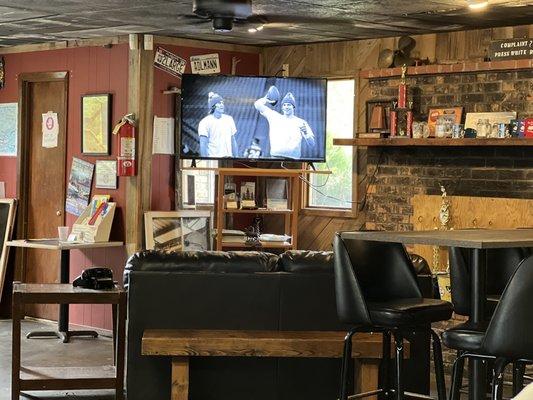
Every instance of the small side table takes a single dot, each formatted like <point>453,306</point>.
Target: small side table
<point>54,244</point>
<point>48,378</point>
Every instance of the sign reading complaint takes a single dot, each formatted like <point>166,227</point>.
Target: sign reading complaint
<point>508,49</point>
<point>169,62</point>
<point>205,64</point>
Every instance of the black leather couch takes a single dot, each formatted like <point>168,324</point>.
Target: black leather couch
<point>239,290</point>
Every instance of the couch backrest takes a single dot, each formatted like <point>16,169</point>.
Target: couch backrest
<point>201,261</point>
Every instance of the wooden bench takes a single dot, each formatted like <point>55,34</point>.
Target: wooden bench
<point>183,344</point>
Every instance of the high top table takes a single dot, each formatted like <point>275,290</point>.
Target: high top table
<point>64,277</point>
<point>479,240</point>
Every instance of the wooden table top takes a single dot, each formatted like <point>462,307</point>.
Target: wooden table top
<point>467,238</point>
<point>55,244</point>
<point>226,343</point>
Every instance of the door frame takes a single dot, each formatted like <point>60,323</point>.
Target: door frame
<point>25,79</point>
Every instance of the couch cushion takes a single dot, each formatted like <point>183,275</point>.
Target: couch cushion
<point>202,261</point>
<point>306,261</point>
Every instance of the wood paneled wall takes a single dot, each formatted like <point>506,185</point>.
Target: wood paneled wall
<point>345,60</point>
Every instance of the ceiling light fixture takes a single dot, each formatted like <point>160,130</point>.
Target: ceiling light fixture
<point>252,30</point>
<point>477,4</point>
<point>260,27</point>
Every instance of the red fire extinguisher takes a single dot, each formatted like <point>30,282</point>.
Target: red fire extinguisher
<point>125,131</point>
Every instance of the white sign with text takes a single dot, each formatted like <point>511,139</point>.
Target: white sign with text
<point>205,64</point>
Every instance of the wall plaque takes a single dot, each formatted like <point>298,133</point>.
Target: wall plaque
<point>508,49</point>
<point>169,62</point>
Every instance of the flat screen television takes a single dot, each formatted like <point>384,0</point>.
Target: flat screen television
<point>253,118</point>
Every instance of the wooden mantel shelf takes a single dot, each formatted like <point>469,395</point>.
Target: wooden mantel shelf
<point>448,68</point>
<point>399,142</point>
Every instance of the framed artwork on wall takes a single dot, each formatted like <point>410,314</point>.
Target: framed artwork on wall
<point>95,124</point>
<point>183,230</point>
<point>106,174</point>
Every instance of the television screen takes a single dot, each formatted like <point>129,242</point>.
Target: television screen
<point>253,118</point>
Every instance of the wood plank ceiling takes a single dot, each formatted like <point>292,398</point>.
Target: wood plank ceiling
<point>285,21</point>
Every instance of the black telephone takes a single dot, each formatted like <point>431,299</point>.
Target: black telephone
<point>95,278</point>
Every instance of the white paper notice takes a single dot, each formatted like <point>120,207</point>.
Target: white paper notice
<point>163,142</point>
<point>50,129</point>
<point>2,190</point>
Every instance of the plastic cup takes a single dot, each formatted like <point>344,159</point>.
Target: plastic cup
<point>63,233</point>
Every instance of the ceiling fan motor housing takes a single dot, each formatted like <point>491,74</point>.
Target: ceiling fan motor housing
<point>235,9</point>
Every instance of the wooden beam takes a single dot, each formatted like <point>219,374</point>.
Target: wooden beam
<point>140,102</point>
<point>202,44</point>
<point>26,48</point>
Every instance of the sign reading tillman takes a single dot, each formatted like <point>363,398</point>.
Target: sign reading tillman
<point>169,62</point>
<point>205,64</point>
<point>509,49</point>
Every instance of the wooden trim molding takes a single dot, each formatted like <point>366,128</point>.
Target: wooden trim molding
<point>140,102</point>
<point>448,68</point>
<point>202,44</point>
<point>26,48</point>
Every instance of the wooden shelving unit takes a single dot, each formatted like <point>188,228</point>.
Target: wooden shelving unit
<point>399,142</point>
<point>290,216</point>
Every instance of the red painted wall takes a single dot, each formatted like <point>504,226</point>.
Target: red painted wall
<point>105,70</point>
<point>91,70</point>
<point>163,106</point>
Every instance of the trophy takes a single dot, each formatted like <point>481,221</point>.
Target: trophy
<point>402,116</point>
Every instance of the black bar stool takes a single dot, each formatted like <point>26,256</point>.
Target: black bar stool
<point>377,291</point>
<point>501,265</point>
<point>508,334</point>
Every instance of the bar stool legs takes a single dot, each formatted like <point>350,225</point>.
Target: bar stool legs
<point>439,366</point>
<point>384,373</point>
<point>497,379</point>
<point>398,339</point>
<point>519,369</point>
<point>346,356</point>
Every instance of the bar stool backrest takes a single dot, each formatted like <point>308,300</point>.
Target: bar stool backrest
<point>370,271</point>
<point>509,333</point>
<point>501,265</point>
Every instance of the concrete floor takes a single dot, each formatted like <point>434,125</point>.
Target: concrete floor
<point>52,352</point>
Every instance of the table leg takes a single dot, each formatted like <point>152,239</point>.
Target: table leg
<point>15,354</point>
<point>477,368</point>
<point>366,377</point>
<point>180,378</point>
<point>62,332</point>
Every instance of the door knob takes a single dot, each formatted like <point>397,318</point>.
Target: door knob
<point>58,213</point>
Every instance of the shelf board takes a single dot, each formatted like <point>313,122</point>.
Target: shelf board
<point>399,142</point>
<point>67,378</point>
<point>258,211</point>
<point>266,245</point>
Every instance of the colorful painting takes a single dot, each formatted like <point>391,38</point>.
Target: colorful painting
<point>8,129</point>
<point>79,186</point>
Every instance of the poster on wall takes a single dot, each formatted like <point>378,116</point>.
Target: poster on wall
<point>8,129</point>
<point>79,186</point>
<point>50,128</point>
<point>205,64</point>
<point>169,62</point>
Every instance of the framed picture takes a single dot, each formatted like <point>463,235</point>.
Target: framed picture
<point>504,117</point>
<point>95,124</point>
<point>106,174</point>
<point>182,230</point>
<point>452,114</point>
<point>378,115</point>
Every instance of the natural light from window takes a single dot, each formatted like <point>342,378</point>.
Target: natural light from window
<point>335,190</point>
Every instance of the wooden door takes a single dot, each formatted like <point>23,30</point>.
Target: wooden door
<point>43,176</point>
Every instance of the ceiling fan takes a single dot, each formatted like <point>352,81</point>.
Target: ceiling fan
<point>225,14</point>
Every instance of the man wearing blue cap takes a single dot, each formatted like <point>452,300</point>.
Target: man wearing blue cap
<point>286,130</point>
<point>217,130</point>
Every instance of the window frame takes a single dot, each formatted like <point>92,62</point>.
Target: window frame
<point>305,207</point>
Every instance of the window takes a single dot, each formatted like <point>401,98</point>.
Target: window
<point>202,182</point>
<point>335,190</point>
